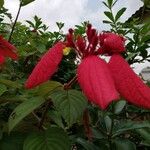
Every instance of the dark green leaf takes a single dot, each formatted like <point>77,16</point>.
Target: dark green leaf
<point>109,15</point>
<point>3,89</point>
<point>105,4</point>
<point>145,134</point>
<point>97,134</point>
<point>23,110</point>
<point>129,125</point>
<point>123,145</point>
<point>26,2</point>
<point>107,22</point>
<point>45,88</point>
<point>14,141</point>
<point>70,103</point>
<point>51,139</point>
<point>56,117</point>
<point>119,106</point>
<point>10,83</point>
<point>1,3</point>
<point>86,144</point>
<point>120,13</point>
<point>110,2</point>
<point>108,123</point>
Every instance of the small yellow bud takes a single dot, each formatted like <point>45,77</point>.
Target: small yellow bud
<point>66,51</point>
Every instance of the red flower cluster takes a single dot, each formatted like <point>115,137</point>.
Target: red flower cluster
<point>7,50</point>
<point>101,82</point>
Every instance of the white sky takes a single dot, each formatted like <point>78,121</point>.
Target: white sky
<point>72,12</point>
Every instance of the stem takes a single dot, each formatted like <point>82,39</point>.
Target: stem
<point>38,119</point>
<point>86,123</point>
<point>44,114</point>
<point>9,40</point>
<point>72,81</point>
<point>110,134</point>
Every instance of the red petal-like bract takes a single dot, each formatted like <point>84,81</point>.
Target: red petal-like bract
<point>2,59</point>
<point>7,50</point>
<point>128,84</point>
<point>96,82</point>
<point>112,43</point>
<point>46,67</point>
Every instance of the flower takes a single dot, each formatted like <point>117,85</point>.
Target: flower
<point>96,82</point>
<point>7,50</point>
<point>46,67</point>
<point>93,73</point>
<point>112,43</point>
<point>128,84</point>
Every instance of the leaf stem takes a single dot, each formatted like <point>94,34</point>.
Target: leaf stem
<point>72,81</point>
<point>110,134</point>
<point>9,40</point>
<point>48,104</point>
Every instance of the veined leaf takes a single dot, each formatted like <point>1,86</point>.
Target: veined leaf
<point>145,134</point>
<point>70,103</point>
<point>3,89</point>
<point>10,83</point>
<point>45,88</point>
<point>14,141</point>
<point>51,139</point>
<point>86,144</point>
<point>23,110</point>
<point>129,125</point>
<point>123,145</point>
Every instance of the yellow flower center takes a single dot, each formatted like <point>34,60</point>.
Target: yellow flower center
<point>66,51</point>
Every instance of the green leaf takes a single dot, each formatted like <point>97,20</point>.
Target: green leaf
<point>119,106</point>
<point>86,144</point>
<point>1,3</point>
<point>107,22</point>
<point>3,89</point>
<point>14,141</point>
<point>109,15</point>
<point>51,139</point>
<point>97,134</point>
<point>120,13</point>
<point>23,110</point>
<point>10,83</point>
<point>105,4</point>
<point>123,145</point>
<point>26,2</point>
<point>129,125</point>
<point>71,104</point>
<point>110,2</point>
<point>56,117</point>
<point>46,88</point>
<point>108,123</point>
<point>145,134</point>
<point>41,47</point>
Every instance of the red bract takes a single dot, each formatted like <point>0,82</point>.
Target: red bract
<point>128,84</point>
<point>96,82</point>
<point>46,67</point>
<point>2,59</point>
<point>86,46</point>
<point>112,43</point>
<point>7,50</point>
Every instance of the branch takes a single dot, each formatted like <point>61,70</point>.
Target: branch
<point>49,103</point>
<point>9,40</point>
<point>70,83</point>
